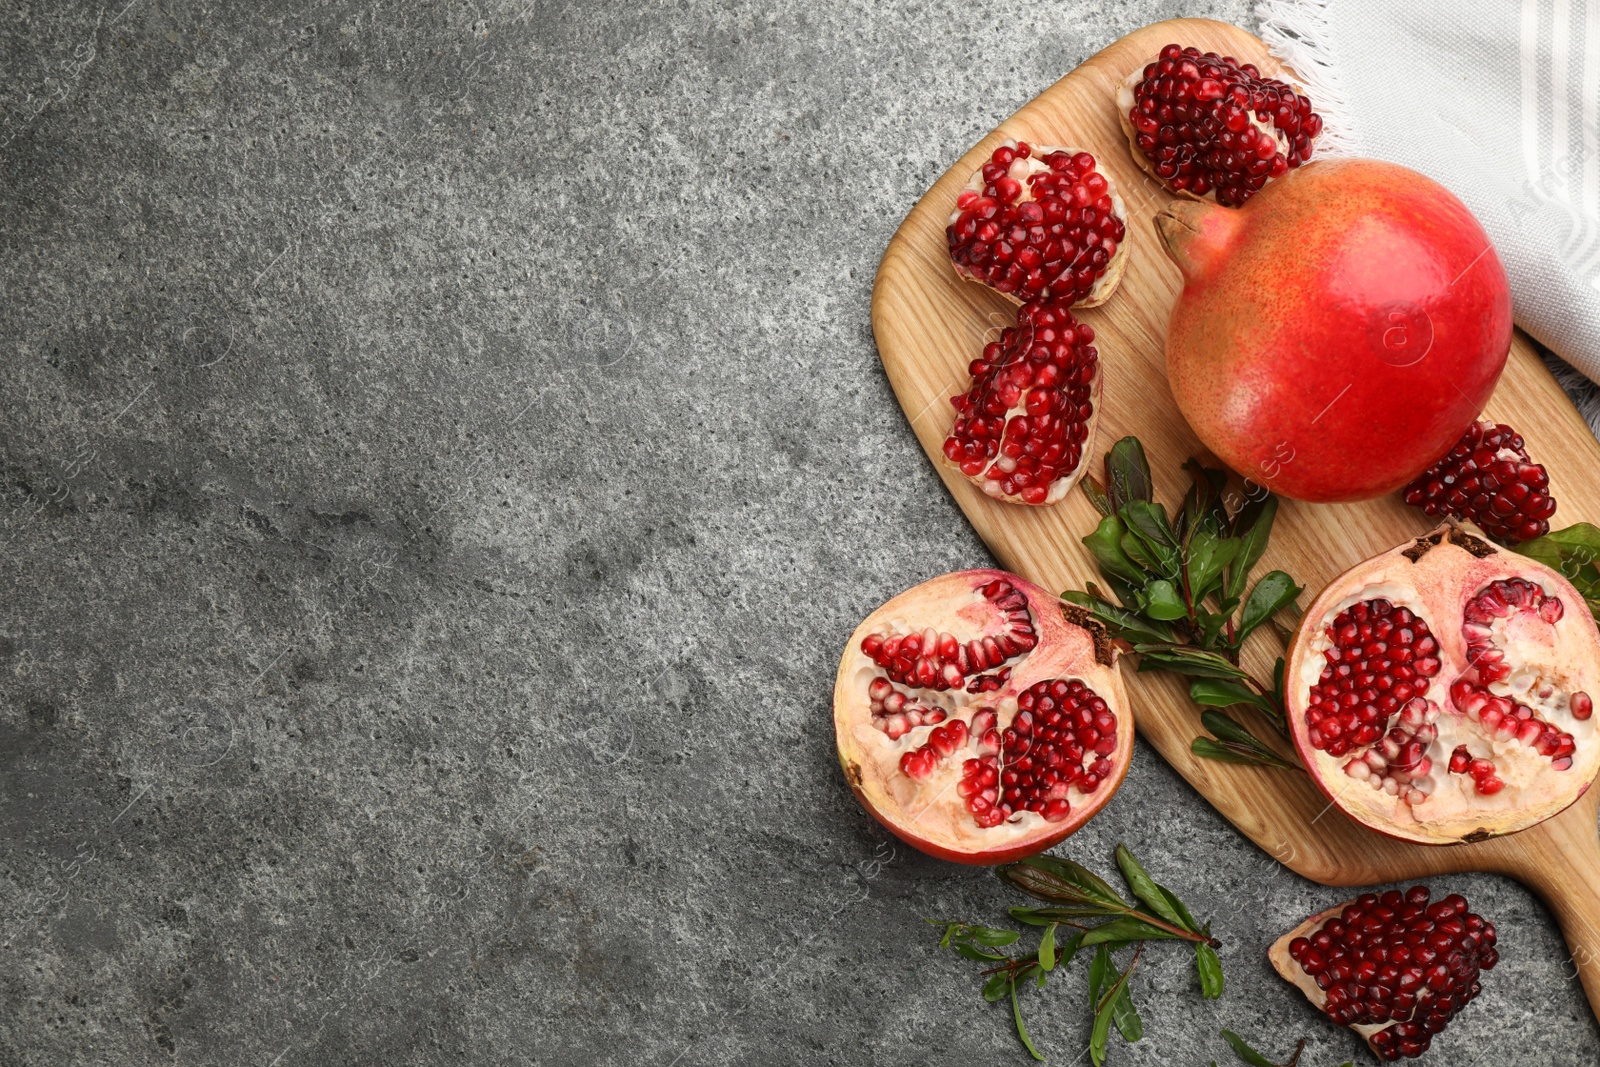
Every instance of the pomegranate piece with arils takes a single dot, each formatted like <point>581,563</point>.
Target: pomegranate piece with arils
<point>1022,428</point>
<point>1488,479</point>
<point>980,719</point>
<point>1210,126</point>
<point>1395,968</point>
<point>1442,692</point>
<point>1040,224</point>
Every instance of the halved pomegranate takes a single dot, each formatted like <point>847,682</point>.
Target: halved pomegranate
<point>1040,223</point>
<point>1394,968</point>
<point>981,719</point>
<point>1209,126</point>
<point>1443,691</point>
<point>1024,425</point>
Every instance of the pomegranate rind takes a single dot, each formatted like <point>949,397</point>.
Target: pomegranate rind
<point>1105,285</point>
<point>1291,971</point>
<point>929,815</point>
<point>1435,576</point>
<point>1347,295</point>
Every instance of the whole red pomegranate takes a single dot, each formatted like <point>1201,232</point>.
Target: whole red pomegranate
<point>1337,333</point>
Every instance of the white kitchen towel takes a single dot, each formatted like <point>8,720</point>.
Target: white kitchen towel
<point>1499,101</point>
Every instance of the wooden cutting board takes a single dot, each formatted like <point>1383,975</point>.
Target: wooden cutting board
<point>929,326</point>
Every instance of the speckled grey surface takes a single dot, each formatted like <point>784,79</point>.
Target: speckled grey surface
<point>444,451</point>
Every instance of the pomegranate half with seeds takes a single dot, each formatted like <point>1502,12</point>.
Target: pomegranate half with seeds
<point>1338,333</point>
<point>1210,127</point>
<point>1394,968</point>
<point>1040,223</point>
<point>981,719</point>
<point>1444,691</point>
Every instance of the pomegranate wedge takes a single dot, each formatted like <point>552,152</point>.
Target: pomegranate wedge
<point>980,719</point>
<point>1211,127</point>
<point>1443,691</point>
<point>1023,426</point>
<point>1040,223</point>
<point>1394,968</point>
<point>1489,479</point>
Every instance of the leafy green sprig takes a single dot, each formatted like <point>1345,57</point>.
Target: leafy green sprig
<point>1232,743</point>
<point>1575,552</point>
<point>1178,591</point>
<point>1099,918</point>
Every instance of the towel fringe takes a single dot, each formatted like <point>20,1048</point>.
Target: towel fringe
<point>1297,32</point>
<point>1585,395</point>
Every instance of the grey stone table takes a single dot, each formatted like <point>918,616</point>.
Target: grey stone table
<point>444,451</point>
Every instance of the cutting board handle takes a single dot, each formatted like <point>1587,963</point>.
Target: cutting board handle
<point>1565,873</point>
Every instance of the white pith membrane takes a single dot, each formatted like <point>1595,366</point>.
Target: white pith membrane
<point>1484,608</point>
<point>907,749</point>
<point>1020,171</point>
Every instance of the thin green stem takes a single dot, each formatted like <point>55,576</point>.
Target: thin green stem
<point>1177,931</point>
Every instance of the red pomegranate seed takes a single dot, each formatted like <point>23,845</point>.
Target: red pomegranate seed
<point>940,661</point>
<point>1381,659</point>
<point>896,713</point>
<point>1061,739</point>
<point>942,742</point>
<point>1489,479</point>
<point>1398,962</point>
<point>1044,227</point>
<point>1499,717</point>
<point>1209,125</point>
<point>1022,426</point>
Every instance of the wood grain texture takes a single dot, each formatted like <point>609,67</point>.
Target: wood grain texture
<point>929,325</point>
